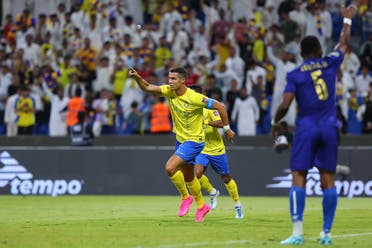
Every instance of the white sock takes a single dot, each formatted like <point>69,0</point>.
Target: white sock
<point>297,228</point>
<point>238,203</point>
<point>213,192</point>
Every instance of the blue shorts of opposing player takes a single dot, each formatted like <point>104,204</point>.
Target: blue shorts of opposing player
<point>218,162</point>
<point>315,146</point>
<point>188,150</point>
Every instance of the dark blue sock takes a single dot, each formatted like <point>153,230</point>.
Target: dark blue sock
<point>297,203</point>
<point>329,208</point>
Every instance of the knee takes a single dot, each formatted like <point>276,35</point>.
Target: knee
<point>198,173</point>
<point>170,170</point>
<point>226,179</point>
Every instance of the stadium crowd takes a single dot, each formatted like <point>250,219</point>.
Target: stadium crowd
<point>238,51</point>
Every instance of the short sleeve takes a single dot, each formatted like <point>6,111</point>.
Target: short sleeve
<point>214,115</point>
<point>198,99</point>
<point>291,85</point>
<point>165,90</point>
<point>335,58</point>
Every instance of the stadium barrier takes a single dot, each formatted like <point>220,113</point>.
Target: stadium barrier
<point>135,166</point>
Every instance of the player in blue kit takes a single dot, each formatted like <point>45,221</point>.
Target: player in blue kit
<point>315,141</point>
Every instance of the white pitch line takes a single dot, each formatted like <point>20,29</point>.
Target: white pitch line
<point>231,242</point>
<point>347,235</point>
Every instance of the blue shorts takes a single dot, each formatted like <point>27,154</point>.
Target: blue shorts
<point>317,146</point>
<point>188,150</point>
<point>218,162</point>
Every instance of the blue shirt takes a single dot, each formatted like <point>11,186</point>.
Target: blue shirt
<point>314,86</point>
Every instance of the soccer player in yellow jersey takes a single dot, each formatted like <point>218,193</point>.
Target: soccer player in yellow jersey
<point>186,108</point>
<point>214,154</point>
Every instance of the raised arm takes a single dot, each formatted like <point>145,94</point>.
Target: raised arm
<point>348,13</point>
<point>143,84</point>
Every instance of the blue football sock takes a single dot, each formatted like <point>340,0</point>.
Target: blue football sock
<point>297,203</point>
<point>329,208</point>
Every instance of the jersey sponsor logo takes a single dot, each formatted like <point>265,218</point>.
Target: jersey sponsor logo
<point>349,188</point>
<point>22,182</point>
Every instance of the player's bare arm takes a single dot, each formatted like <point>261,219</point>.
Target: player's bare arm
<point>348,13</point>
<point>217,124</point>
<point>143,84</point>
<point>224,118</point>
<point>281,112</point>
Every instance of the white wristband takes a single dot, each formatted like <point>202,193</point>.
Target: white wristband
<point>226,128</point>
<point>347,21</point>
<point>273,123</point>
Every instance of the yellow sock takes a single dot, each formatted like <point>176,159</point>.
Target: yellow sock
<point>205,184</point>
<point>179,181</point>
<point>195,189</point>
<point>233,190</point>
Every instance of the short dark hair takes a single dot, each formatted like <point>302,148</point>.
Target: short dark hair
<point>196,88</point>
<point>310,46</point>
<point>181,71</point>
<point>78,92</point>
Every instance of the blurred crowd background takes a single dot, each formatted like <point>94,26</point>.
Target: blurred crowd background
<point>59,58</point>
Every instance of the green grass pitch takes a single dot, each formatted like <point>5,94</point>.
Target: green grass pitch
<point>152,221</point>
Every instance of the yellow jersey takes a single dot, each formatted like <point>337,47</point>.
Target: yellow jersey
<point>24,108</point>
<point>213,141</point>
<point>187,114</point>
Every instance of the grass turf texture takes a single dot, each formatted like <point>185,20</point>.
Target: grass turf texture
<point>152,221</point>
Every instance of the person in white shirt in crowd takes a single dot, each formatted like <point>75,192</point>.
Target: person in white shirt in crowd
<point>245,114</point>
<point>299,15</point>
<point>31,52</point>
<point>326,20</point>
<point>351,62</point>
<point>77,16</point>
<point>76,41</point>
<point>61,11</point>
<point>253,72</point>
<point>131,92</point>
<point>104,72</point>
<point>10,115</point>
<point>270,14</point>
<point>179,42</point>
<point>70,88</point>
<point>54,27</point>
<point>235,63</point>
<point>58,101</point>
<point>192,24</point>
<point>169,18</point>
<point>100,106</point>
<point>211,14</point>
<point>21,35</point>
<point>224,77</point>
<point>129,26</point>
<point>201,42</point>
<point>282,66</point>
<point>5,81</point>
<point>112,32</point>
<point>108,51</point>
<point>94,32</point>
<point>342,93</point>
<point>362,82</point>
<point>294,48</point>
<point>319,24</point>
<point>242,9</point>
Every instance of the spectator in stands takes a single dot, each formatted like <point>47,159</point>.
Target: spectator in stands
<point>81,133</point>
<point>364,113</point>
<point>362,81</point>
<point>134,120</point>
<point>75,105</point>
<point>245,114</point>
<point>160,117</point>
<point>57,120</point>
<point>25,107</point>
